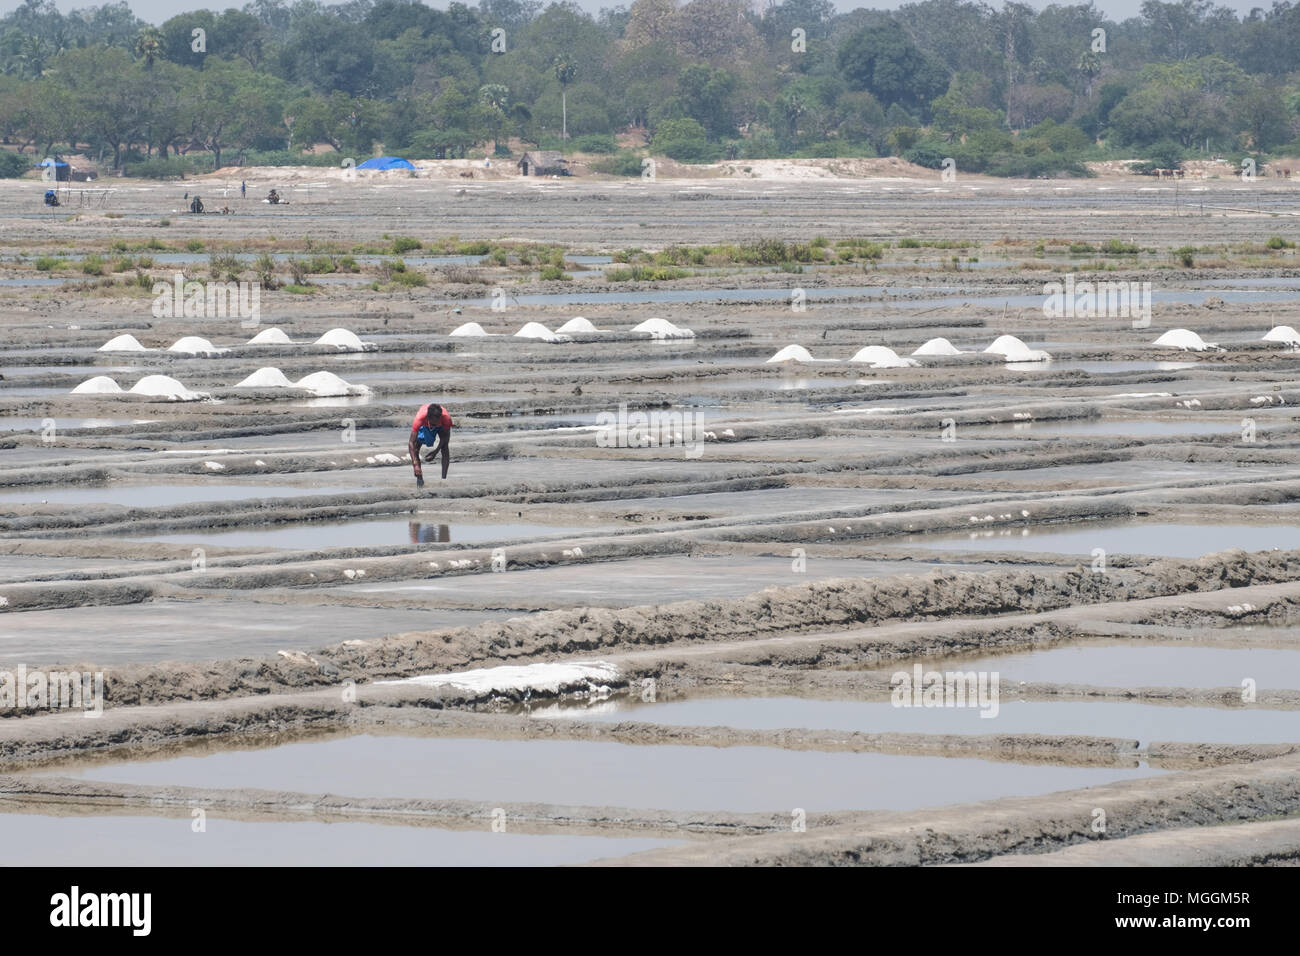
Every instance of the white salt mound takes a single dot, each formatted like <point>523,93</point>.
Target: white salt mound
<point>1283,333</point>
<point>99,385</point>
<point>1014,350</point>
<point>578,324</point>
<point>193,345</point>
<point>123,343</point>
<point>1184,339</point>
<point>535,330</point>
<point>344,339</point>
<point>270,337</point>
<point>266,378</point>
<point>325,384</point>
<point>468,329</point>
<point>939,346</point>
<point>791,353</point>
<point>663,329</point>
<point>164,386</point>
<point>544,677</point>
<point>881,357</point>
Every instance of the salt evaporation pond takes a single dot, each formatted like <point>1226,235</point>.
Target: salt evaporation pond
<point>1165,540</point>
<point>151,841</point>
<point>1096,718</point>
<point>1140,665</point>
<point>363,534</point>
<point>735,779</point>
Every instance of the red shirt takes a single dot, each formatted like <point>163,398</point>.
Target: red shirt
<point>423,413</point>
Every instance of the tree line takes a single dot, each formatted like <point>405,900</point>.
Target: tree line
<point>1010,90</point>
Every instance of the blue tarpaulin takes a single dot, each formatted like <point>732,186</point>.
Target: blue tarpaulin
<point>386,162</point>
<point>62,171</point>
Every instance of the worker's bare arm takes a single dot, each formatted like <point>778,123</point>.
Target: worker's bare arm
<point>413,446</point>
<point>446,451</point>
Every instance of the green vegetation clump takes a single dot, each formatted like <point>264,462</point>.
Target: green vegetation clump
<point>395,274</point>
<point>13,165</point>
<point>623,163</point>
<point>851,249</point>
<point>646,274</point>
<point>1116,247</point>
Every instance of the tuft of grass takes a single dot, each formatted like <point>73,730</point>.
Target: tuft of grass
<point>555,273</point>
<point>646,274</point>
<point>264,267</point>
<point>860,249</point>
<point>1115,247</point>
<point>225,267</point>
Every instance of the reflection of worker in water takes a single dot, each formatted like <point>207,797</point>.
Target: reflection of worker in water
<point>432,429</point>
<point>429,533</point>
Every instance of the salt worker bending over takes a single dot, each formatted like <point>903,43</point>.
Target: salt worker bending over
<point>432,429</point>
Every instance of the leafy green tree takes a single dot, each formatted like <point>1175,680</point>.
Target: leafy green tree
<point>707,96</point>
<point>885,62</point>
<point>1187,101</point>
<point>683,140</point>
<point>13,165</point>
<point>108,114</point>
<point>1263,117</point>
<point>952,114</point>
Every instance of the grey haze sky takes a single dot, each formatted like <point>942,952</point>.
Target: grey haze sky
<point>156,11</point>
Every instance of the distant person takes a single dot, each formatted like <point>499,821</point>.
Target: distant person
<point>51,197</point>
<point>432,429</point>
<point>243,190</point>
<point>273,197</point>
<point>196,205</point>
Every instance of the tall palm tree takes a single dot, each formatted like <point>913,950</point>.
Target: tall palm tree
<point>565,71</point>
<point>33,54</point>
<point>148,45</point>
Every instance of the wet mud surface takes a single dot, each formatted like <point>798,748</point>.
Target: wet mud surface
<point>1115,533</point>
